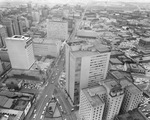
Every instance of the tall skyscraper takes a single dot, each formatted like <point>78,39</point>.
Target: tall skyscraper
<point>9,27</point>
<point>57,29</point>
<point>86,65</point>
<point>132,96</point>
<point>91,104</point>
<point>108,95</point>
<point>113,99</point>
<point>13,25</point>
<point>17,25</point>
<point>29,7</point>
<point>36,16</point>
<point>3,35</point>
<point>20,51</point>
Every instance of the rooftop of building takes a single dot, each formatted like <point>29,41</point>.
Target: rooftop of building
<point>19,37</point>
<point>117,74</point>
<point>14,102</point>
<point>42,64</point>
<point>92,95</point>
<point>80,46</point>
<point>83,53</point>
<point>46,41</point>
<point>133,89</point>
<point>57,20</point>
<point>113,87</point>
<point>146,39</point>
<point>36,72</point>
<point>10,113</point>
<point>115,61</point>
<point>132,115</point>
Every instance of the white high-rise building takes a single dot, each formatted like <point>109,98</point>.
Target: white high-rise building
<point>110,92</point>
<point>91,104</point>
<point>132,96</point>
<point>20,51</point>
<point>113,99</point>
<point>57,29</point>
<point>86,65</point>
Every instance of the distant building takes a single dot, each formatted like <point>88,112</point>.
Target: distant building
<point>45,12</point>
<point>45,47</point>
<point>3,35</point>
<point>13,25</point>
<point>57,30</point>
<point>36,16</point>
<point>4,55</point>
<point>9,27</point>
<point>87,33</point>
<point>91,104</point>
<point>25,24</point>
<point>29,7</point>
<point>1,68</point>
<point>20,51</point>
<point>86,65</point>
<point>144,45</point>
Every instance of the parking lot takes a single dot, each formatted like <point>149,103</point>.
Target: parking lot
<point>32,84</point>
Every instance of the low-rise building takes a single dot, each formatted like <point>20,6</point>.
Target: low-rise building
<point>43,47</point>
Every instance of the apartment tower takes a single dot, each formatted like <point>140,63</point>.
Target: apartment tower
<point>86,65</point>
<point>91,104</point>
<point>20,51</point>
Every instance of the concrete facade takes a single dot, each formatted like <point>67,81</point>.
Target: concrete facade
<point>20,51</point>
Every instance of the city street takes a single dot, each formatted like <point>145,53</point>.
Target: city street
<point>48,91</point>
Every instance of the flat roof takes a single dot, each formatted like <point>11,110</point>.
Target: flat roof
<point>83,45</point>
<point>111,84</point>
<point>38,40</point>
<point>19,37</point>
<point>133,89</point>
<point>117,74</point>
<point>135,114</point>
<point>146,39</point>
<point>93,98</point>
<point>83,53</point>
<point>45,41</point>
<point>115,61</point>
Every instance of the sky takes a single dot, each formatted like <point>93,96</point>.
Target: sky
<point>66,1</point>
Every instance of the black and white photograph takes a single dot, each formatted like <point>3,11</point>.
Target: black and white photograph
<point>74,59</point>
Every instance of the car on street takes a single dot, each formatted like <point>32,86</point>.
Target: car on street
<point>34,111</point>
<point>34,115</point>
<point>41,117</point>
<point>72,109</point>
<point>6,116</point>
<point>43,112</point>
<point>52,82</point>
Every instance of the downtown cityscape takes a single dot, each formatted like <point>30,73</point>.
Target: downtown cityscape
<point>74,60</point>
